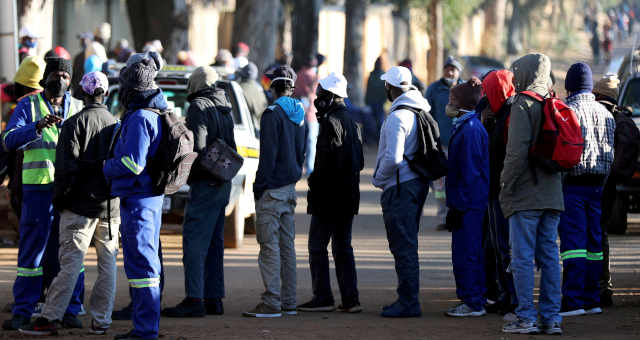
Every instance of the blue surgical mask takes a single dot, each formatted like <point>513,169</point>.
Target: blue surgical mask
<point>31,44</point>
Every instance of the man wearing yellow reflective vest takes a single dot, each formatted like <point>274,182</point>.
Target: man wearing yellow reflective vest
<point>34,128</point>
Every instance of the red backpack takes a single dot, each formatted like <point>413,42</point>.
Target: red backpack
<point>560,142</point>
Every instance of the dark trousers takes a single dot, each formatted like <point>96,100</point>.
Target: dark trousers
<point>338,231</point>
<point>401,210</point>
<point>608,197</point>
<point>498,230</point>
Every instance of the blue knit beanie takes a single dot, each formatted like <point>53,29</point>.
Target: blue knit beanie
<point>579,78</point>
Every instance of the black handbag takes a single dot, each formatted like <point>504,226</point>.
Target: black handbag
<point>221,160</point>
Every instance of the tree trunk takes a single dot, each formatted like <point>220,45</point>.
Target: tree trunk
<point>435,59</point>
<point>256,24</point>
<point>167,21</point>
<point>493,28</point>
<point>304,18</point>
<point>402,33</point>
<point>355,11</point>
<point>514,38</point>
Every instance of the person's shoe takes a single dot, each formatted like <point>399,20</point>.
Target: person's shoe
<point>353,308</point>
<point>8,308</point>
<point>316,305</point>
<point>71,321</point>
<point>130,336</point>
<point>492,307</point>
<point>97,330</point>
<point>123,314</point>
<point>214,306</point>
<point>593,311</point>
<point>510,317</point>
<point>521,327</point>
<point>37,310</point>
<point>606,299</point>
<point>15,322</point>
<point>263,311</point>
<point>82,310</point>
<point>573,312</point>
<point>552,329</point>
<point>41,326</point>
<point>462,310</point>
<point>400,310</point>
<point>289,310</point>
<point>188,308</point>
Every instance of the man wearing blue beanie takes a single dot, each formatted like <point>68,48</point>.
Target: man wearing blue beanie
<point>579,229</point>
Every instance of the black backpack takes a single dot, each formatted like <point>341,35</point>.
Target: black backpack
<point>429,160</point>
<point>170,167</point>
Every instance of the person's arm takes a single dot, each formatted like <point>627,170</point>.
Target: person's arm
<point>395,135</point>
<point>20,129</point>
<point>516,161</point>
<point>197,123</point>
<point>135,147</point>
<point>67,160</point>
<point>269,141</point>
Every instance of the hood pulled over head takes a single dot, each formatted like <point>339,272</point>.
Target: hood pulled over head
<point>498,87</point>
<point>532,73</point>
<point>412,98</point>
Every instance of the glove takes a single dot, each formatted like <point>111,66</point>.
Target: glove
<point>454,219</point>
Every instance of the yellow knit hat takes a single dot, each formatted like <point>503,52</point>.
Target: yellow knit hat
<point>30,72</point>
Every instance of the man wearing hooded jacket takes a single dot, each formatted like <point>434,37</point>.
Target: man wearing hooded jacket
<point>34,128</point>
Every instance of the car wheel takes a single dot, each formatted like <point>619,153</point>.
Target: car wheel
<point>234,228</point>
<point>617,222</point>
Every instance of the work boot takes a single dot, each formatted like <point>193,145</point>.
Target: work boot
<point>71,321</point>
<point>41,326</point>
<point>214,306</point>
<point>188,308</point>
<point>123,314</point>
<point>15,322</point>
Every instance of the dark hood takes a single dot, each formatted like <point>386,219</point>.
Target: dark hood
<point>217,95</point>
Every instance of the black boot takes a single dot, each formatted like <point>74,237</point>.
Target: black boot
<point>214,306</point>
<point>188,308</point>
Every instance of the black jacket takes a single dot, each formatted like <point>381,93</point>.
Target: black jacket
<point>209,117</point>
<point>334,184</point>
<point>84,143</point>
<point>496,126</point>
<point>626,143</point>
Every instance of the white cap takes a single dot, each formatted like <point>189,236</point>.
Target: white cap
<point>26,32</point>
<point>336,84</point>
<point>399,77</point>
<point>240,62</point>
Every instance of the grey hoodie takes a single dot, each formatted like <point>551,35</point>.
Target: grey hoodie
<point>519,193</point>
<point>398,137</point>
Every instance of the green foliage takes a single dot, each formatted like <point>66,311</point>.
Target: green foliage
<point>454,12</point>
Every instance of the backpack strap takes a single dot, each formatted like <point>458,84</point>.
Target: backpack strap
<point>533,95</point>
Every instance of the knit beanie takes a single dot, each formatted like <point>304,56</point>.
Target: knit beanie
<point>30,72</point>
<point>141,70</point>
<point>249,72</point>
<point>608,86</point>
<point>579,78</point>
<point>201,78</point>
<point>56,65</point>
<point>466,95</point>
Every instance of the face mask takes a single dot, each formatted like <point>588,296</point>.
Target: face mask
<point>323,104</point>
<point>451,111</point>
<point>449,81</point>
<point>31,44</point>
<point>56,87</point>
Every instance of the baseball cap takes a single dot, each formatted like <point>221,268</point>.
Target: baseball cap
<point>336,84</point>
<point>398,76</point>
<point>94,80</point>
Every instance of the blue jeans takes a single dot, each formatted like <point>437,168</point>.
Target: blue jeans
<point>401,210</point>
<point>533,235</point>
<point>203,240</point>
<point>338,231</point>
<point>467,256</point>
<point>581,246</point>
<point>312,137</point>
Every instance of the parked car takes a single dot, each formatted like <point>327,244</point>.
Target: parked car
<point>240,211</point>
<point>478,66</point>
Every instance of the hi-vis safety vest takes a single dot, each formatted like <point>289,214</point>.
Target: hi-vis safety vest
<point>38,166</point>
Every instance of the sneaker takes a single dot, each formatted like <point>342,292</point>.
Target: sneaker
<point>510,317</point>
<point>71,321</point>
<point>317,306</point>
<point>130,336</point>
<point>401,310</point>
<point>41,326</point>
<point>552,329</point>
<point>37,310</point>
<point>606,299</point>
<point>263,311</point>
<point>214,306</point>
<point>82,310</point>
<point>462,310</point>
<point>289,311</point>
<point>123,314</point>
<point>15,322</point>
<point>573,312</point>
<point>188,308</point>
<point>97,330</point>
<point>594,310</point>
<point>354,308</point>
<point>521,327</point>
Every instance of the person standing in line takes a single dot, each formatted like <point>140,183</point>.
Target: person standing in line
<point>305,90</point>
<point>247,78</point>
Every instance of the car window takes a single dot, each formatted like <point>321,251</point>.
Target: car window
<point>631,96</point>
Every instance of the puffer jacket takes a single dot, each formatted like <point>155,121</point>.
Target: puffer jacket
<point>519,192</point>
<point>209,118</point>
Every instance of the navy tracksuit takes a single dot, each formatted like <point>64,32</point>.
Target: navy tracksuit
<point>467,190</point>
<point>140,208</point>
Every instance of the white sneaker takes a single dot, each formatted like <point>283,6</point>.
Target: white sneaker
<point>462,310</point>
<point>595,310</point>
<point>575,312</point>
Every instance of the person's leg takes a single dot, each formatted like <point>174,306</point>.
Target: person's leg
<point>606,284</point>
<point>345,261</point>
<point>320,232</point>
<point>312,136</point>
<point>267,235</point>
<point>503,253</point>
<point>287,246</point>
<point>468,264</point>
<point>140,229</point>
<point>489,249</point>
<point>104,290</point>
<point>573,248</point>
<point>76,233</point>
<point>214,265</point>
<point>595,255</point>
<point>547,259</point>
<point>523,227</point>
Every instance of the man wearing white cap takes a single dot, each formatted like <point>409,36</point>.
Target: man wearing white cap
<point>82,197</point>
<point>28,43</point>
<point>404,192</point>
<point>333,198</point>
